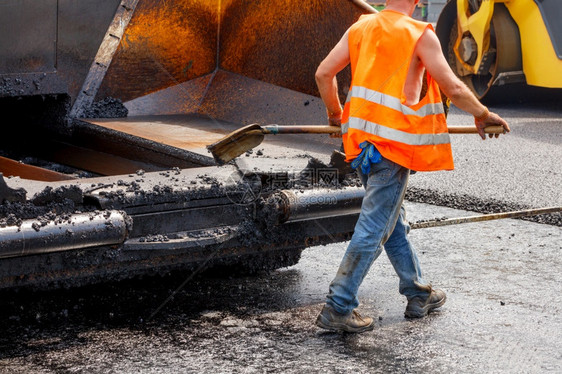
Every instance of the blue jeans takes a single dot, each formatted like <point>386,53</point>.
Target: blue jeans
<point>381,223</point>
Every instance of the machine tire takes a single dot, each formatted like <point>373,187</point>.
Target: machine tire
<point>504,38</point>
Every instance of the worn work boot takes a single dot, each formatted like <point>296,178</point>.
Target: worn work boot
<point>329,319</point>
<point>419,307</point>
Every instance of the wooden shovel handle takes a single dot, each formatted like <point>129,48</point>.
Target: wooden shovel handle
<point>472,130</point>
<point>313,129</point>
<point>305,129</point>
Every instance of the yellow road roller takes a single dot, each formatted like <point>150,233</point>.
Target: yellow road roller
<point>496,46</point>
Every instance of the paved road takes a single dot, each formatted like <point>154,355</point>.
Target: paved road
<point>523,167</point>
<point>503,313</point>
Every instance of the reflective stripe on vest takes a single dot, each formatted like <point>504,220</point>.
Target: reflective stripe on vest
<point>393,102</point>
<point>394,134</point>
<point>388,132</point>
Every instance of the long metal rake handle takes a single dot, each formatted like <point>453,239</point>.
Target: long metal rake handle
<point>485,217</point>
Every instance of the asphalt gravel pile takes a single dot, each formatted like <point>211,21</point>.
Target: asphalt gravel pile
<point>13,214</point>
<point>16,86</point>
<point>478,205</point>
<point>106,108</point>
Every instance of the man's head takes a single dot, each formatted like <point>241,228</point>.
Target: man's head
<point>405,6</point>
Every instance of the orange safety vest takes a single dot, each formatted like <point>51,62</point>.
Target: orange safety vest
<point>381,48</point>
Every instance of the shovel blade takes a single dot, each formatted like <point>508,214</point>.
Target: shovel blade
<point>236,143</point>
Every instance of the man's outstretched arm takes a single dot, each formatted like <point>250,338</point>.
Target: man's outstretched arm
<point>428,50</point>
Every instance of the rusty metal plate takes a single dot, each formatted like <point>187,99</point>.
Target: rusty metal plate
<point>233,98</point>
<point>22,51</point>
<point>166,43</point>
<point>282,42</point>
<point>279,42</point>
<point>47,46</point>
<point>186,132</point>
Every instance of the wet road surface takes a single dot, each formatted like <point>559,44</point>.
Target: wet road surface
<point>502,279</point>
<point>503,314</point>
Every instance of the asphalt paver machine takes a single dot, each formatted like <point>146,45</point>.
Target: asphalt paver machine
<point>107,106</point>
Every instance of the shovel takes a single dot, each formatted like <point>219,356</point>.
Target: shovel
<point>248,137</point>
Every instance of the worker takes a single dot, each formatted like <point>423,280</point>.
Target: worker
<point>387,132</point>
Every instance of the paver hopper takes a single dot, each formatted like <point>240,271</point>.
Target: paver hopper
<point>96,198</point>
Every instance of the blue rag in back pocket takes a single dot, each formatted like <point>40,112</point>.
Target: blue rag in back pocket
<point>369,155</point>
